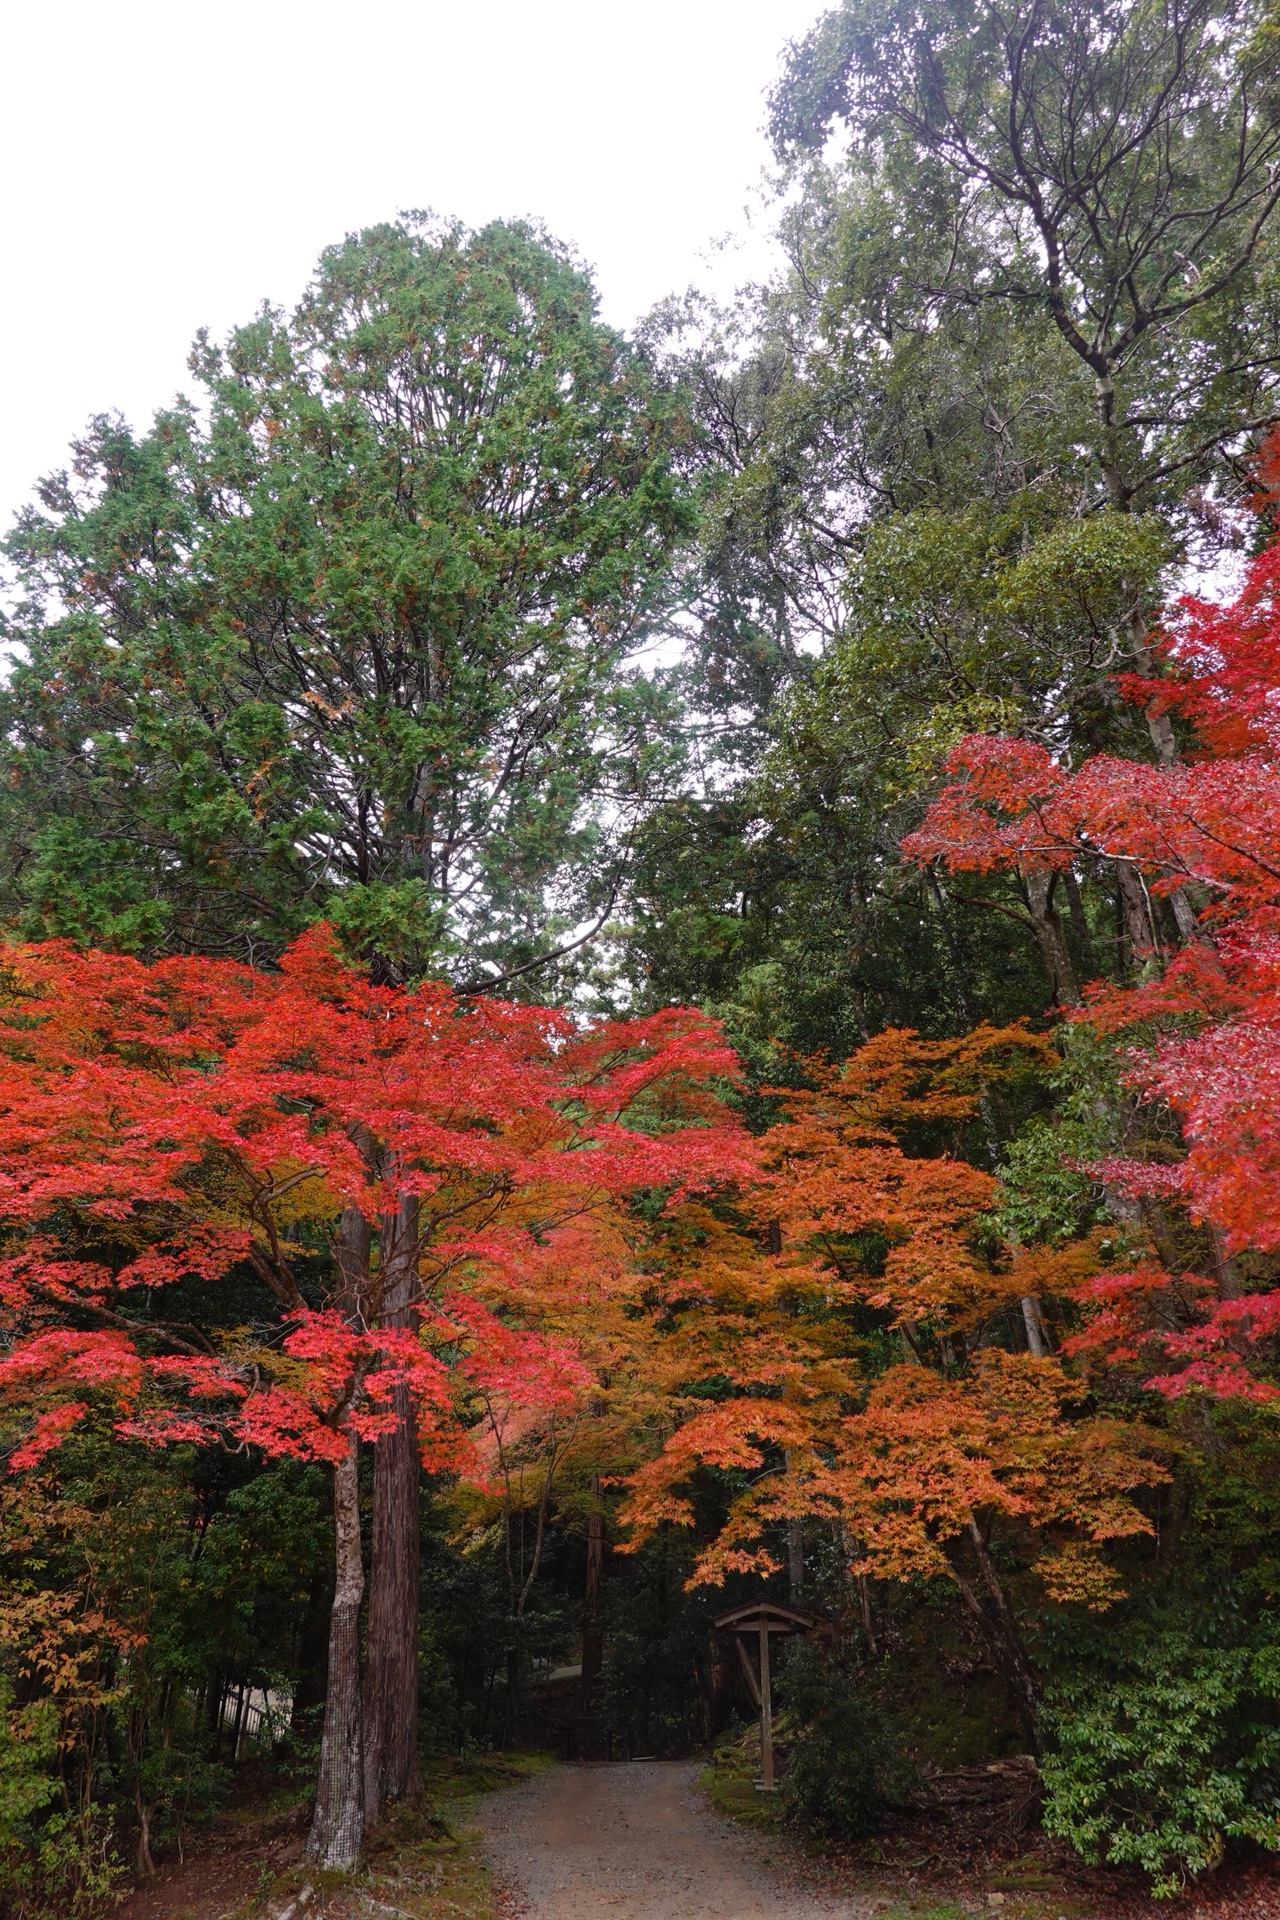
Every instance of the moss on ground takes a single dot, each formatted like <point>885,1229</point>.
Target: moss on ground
<point>731,1786</point>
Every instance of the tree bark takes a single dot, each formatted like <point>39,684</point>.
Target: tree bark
<point>391,1662</point>
<point>795,1552</point>
<point>145,1863</point>
<point>1079,924</point>
<point>351,1256</point>
<point>1224,1267</point>
<point>795,1561</point>
<point>851,1550</point>
<point>1135,910</point>
<point>1165,742</point>
<point>1033,1321</point>
<point>1038,883</point>
<point>868,1618</point>
<point>213,1711</point>
<point>337,1826</point>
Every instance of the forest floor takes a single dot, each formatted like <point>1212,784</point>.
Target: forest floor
<point>423,1865</point>
<point>516,1837</point>
<point>969,1842</point>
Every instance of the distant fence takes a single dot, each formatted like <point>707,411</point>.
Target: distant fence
<point>254,1715</point>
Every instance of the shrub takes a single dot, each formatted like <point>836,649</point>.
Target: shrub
<point>846,1765</point>
<point>53,1864</point>
<point>1173,1751</point>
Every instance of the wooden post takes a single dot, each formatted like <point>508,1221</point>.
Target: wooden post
<point>766,1709</point>
<point>753,1684</point>
<point>762,1617</point>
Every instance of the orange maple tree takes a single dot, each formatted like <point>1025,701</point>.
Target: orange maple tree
<point>849,1351</point>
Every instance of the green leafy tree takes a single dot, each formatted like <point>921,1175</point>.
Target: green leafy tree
<point>958,622</point>
<point>846,1765</point>
<point>1028,334</point>
<point>1105,168</point>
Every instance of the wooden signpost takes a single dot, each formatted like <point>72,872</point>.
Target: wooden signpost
<point>756,1621</point>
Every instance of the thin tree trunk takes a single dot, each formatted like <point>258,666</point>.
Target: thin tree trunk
<point>213,1711</point>
<point>391,1662</point>
<point>1165,742</point>
<point>795,1552</point>
<point>1159,725</point>
<point>337,1826</point>
<point>795,1561</point>
<point>989,1605</point>
<point>1079,924</point>
<point>146,1865</point>
<point>1135,910</point>
<point>851,1548</point>
<point>540,1534</point>
<point>235,1738</point>
<point>592,1638</point>
<point>1224,1267</point>
<point>911,1343</point>
<point>868,1618</point>
<point>1033,1320</point>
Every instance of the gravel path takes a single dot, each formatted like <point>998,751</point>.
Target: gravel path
<point>637,1841</point>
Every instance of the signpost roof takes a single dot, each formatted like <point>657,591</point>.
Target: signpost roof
<point>771,1614</point>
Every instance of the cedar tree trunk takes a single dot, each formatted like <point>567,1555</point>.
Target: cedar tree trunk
<point>391,1660</point>
<point>337,1826</point>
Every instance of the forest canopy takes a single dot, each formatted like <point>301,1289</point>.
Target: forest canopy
<point>640,972</point>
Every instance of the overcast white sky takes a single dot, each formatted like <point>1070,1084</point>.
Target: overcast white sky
<point>165,165</point>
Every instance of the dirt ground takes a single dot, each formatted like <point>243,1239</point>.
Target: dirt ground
<point>636,1841</point>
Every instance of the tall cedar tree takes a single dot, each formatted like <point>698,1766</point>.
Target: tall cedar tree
<point>349,634</point>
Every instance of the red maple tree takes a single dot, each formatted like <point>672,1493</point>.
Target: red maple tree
<point>395,1168</point>
<point>1201,1033</point>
